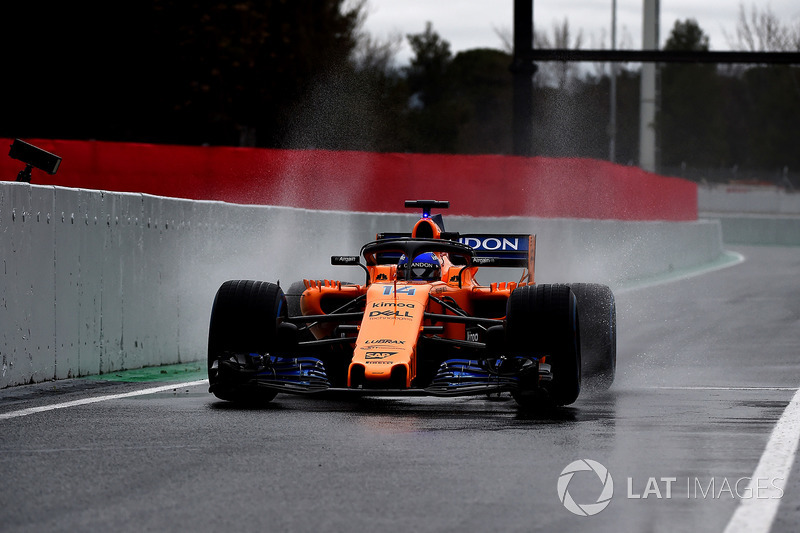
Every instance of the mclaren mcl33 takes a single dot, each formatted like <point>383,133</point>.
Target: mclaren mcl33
<point>420,324</point>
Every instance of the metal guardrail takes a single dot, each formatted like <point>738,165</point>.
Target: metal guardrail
<point>665,56</point>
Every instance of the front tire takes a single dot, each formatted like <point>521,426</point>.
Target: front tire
<point>598,319</point>
<point>542,320</point>
<point>244,320</point>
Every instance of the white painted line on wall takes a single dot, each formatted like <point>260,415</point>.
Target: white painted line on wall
<point>86,401</point>
<point>756,514</point>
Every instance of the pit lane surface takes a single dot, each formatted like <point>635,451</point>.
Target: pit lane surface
<point>706,366</point>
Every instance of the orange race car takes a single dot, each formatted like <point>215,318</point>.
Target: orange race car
<point>420,324</point>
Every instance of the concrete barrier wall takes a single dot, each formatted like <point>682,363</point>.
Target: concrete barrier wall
<point>760,230</point>
<point>761,215</point>
<point>763,200</point>
<point>95,282</point>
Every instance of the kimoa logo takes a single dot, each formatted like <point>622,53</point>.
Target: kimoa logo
<point>586,509</point>
<point>393,304</point>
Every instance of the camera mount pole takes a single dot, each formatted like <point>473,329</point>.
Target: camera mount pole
<point>25,174</point>
<point>523,69</point>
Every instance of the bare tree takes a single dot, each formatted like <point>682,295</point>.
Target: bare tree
<point>552,74</point>
<point>761,30</point>
<point>377,55</point>
<point>506,36</point>
<point>558,74</point>
<point>373,53</point>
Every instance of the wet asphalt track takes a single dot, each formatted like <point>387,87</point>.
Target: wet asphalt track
<point>706,367</point>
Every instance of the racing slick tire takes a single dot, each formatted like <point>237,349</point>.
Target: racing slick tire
<point>293,297</point>
<point>542,320</point>
<point>598,321</point>
<point>244,320</point>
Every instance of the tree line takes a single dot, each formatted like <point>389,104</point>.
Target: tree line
<point>304,74</point>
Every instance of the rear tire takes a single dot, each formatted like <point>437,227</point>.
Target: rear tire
<point>598,319</point>
<point>244,320</point>
<point>542,320</point>
<point>293,296</point>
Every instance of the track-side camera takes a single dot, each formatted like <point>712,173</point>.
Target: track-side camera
<point>33,156</point>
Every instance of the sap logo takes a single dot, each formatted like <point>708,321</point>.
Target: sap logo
<point>393,304</point>
<point>390,313</point>
<point>491,243</point>
<point>384,341</point>
<point>378,355</point>
<point>389,290</point>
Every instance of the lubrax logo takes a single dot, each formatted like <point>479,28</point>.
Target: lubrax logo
<point>384,341</point>
<point>378,355</point>
<point>393,304</point>
<point>390,313</point>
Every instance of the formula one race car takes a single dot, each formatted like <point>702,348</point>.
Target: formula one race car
<point>420,324</point>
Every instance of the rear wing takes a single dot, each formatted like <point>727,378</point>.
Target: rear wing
<point>491,249</point>
<point>501,250</point>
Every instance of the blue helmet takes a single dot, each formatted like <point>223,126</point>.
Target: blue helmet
<point>424,267</point>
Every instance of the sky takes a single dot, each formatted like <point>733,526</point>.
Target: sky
<point>467,24</point>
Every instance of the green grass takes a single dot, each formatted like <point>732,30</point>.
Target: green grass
<point>181,372</point>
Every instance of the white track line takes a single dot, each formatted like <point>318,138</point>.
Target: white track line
<point>732,259</point>
<point>731,388</point>
<point>756,515</point>
<point>85,401</point>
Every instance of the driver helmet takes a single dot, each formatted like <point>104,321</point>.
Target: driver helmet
<point>424,267</point>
